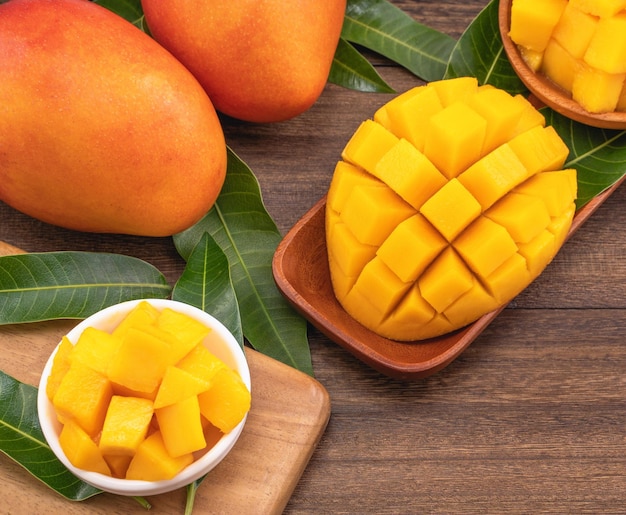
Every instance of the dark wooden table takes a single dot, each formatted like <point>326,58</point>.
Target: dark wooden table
<point>531,418</point>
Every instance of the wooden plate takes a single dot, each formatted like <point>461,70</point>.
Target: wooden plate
<point>544,89</point>
<point>301,272</point>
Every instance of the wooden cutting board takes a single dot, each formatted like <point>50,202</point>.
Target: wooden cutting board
<point>288,416</point>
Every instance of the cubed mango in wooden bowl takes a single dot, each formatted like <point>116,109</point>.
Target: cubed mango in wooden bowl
<point>144,397</point>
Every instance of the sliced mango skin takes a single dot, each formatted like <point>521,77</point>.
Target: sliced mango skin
<point>488,229</point>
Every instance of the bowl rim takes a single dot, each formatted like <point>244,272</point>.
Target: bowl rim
<point>232,353</point>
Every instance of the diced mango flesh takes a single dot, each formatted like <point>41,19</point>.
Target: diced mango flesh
<point>112,429</point>
<point>416,254</point>
<point>582,49</point>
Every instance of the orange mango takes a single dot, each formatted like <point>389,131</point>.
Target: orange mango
<point>124,140</point>
<point>258,61</point>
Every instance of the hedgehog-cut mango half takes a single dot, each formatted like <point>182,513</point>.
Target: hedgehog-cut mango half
<point>444,207</point>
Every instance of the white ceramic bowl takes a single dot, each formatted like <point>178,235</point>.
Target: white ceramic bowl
<point>220,342</point>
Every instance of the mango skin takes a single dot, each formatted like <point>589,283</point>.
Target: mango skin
<point>101,129</point>
<point>258,61</point>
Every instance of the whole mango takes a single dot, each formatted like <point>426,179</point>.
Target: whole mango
<point>258,61</point>
<point>101,129</point>
<point>444,207</point>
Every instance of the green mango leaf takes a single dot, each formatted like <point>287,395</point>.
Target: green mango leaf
<point>384,28</point>
<point>599,156</point>
<point>205,283</point>
<point>479,53</point>
<point>131,10</point>
<point>22,440</point>
<point>53,285</point>
<point>246,233</point>
<point>353,71</point>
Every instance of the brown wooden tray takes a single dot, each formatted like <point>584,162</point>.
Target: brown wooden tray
<point>289,413</point>
<point>301,272</point>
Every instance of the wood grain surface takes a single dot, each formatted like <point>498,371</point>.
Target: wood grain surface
<point>531,418</point>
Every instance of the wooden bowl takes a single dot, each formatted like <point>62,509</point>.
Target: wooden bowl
<point>300,268</point>
<point>545,90</point>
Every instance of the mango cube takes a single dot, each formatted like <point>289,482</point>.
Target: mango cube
<point>125,425</point>
<point>60,365</point>
<point>227,401</point>
<point>607,47</point>
<point>451,209</point>
<point>408,172</point>
<point>597,90</point>
<point>575,30</point>
<point>153,463</point>
<point>83,395</point>
<point>453,151</point>
<point>81,450</point>
<point>140,346</point>
<point>369,143</point>
<point>181,427</point>
<point>532,21</point>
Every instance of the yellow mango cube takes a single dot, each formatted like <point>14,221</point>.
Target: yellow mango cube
<point>540,149</point>
<point>421,102</point>
<point>377,276</point>
<point>81,450</point>
<point>508,279</point>
<point>345,178</point>
<point>227,402</point>
<point>153,463</point>
<point>484,246</point>
<point>83,396</point>
<point>555,188</point>
<point>142,315</point>
<point>445,280</point>
<point>368,144</point>
<point>453,151</point>
<point>140,346</point>
<point>575,30</point>
<point>410,317</point>
<point>596,90</point>
<point>458,89</point>
<point>201,363</point>
<point>451,209</point>
<point>125,425</point>
<point>177,385</point>
<point>96,349</point>
<point>471,305</point>
<point>410,248</point>
<point>532,22</point>
<point>181,427</point>
<point>530,117</point>
<point>607,48</point>
<point>523,216</point>
<point>409,173</point>
<point>559,65</point>
<point>494,175</point>
<point>348,253</point>
<point>60,365</point>
<point>502,112</point>
<point>372,213</point>
<point>186,331</point>
<point>538,252</point>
